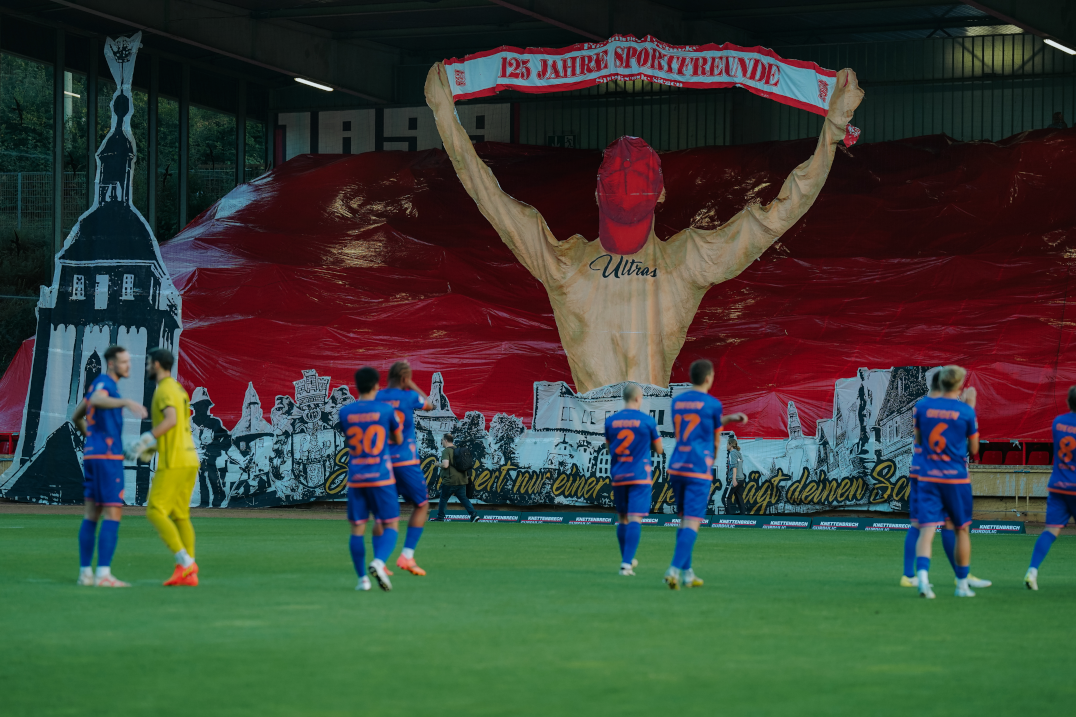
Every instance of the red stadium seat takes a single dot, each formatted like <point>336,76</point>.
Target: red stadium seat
<point>1014,458</point>
<point>8,443</point>
<point>991,458</point>
<point>1039,458</point>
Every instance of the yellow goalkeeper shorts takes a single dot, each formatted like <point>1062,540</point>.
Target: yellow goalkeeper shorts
<point>170,491</point>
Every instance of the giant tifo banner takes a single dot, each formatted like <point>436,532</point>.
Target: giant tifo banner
<point>758,70</point>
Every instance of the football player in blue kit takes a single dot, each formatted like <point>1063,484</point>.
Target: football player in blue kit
<point>697,420</point>
<point>99,417</point>
<point>631,435</point>
<point>1061,489</point>
<point>369,427</point>
<point>948,432</point>
<point>908,579</point>
<point>406,398</point>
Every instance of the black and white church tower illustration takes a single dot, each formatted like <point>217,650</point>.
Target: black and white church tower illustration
<point>109,286</point>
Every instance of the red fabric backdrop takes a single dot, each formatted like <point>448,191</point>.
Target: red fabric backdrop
<point>13,387</point>
<point>918,252</point>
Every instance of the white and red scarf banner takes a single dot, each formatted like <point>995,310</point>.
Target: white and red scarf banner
<point>622,57</point>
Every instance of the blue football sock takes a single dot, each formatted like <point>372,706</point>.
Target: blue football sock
<point>621,529</point>
<point>909,551</point>
<point>962,571</point>
<point>106,542</point>
<point>86,534</point>
<point>411,539</point>
<point>632,533</point>
<point>922,564</point>
<point>949,544</point>
<point>1042,547</point>
<point>685,543</point>
<point>386,545</point>
<point>375,542</point>
<point>358,554</point>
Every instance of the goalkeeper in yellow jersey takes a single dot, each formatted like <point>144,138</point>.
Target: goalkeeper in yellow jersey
<point>169,502</point>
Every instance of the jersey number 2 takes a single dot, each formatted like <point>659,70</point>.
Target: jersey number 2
<point>628,436</point>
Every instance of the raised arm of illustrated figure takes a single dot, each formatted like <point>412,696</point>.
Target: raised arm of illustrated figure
<point>519,225</point>
<point>720,254</point>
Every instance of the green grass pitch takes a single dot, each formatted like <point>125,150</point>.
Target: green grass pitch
<point>526,620</point>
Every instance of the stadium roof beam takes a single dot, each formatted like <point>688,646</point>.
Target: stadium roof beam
<point>932,24</point>
<point>359,69</point>
<point>1054,19</point>
<point>809,9</point>
<point>374,9</point>
<point>443,30</point>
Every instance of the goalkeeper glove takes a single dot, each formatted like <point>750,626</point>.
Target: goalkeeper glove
<point>143,445</point>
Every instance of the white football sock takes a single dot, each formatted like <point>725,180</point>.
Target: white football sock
<point>85,571</point>
<point>103,572</point>
<point>923,579</point>
<point>1033,572</point>
<point>377,563</point>
<point>183,559</point>
<point>408,552</point>
<point>962,583</point>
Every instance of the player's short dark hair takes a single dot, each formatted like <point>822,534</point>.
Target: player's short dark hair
<point>113,351</point>
<point>448,436</point>
<point>951,377</point>
<point>366,379</point>
<point>631,391</point>
<point>935,381</point>
<point>700,370</point>
<point>399,371</point>
<point>162,356</point>
<point>1072,398</point>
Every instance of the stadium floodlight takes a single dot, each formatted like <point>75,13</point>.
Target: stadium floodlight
<point>304,81</point>
<point>1059,46</point>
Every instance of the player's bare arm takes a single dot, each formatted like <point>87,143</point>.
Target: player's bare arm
<point>733,418</point>
<point>729,249</point>
<point>655,445</point>
<point>396,437</point>
<point>79,417</point>
<point>427,402</point>
<point>101,399</point>
<point>519,225</point>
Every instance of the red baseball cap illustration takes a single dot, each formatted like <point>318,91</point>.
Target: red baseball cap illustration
<point>629,185</point>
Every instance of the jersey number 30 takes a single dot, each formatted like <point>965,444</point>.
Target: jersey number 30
<point>370,441</point>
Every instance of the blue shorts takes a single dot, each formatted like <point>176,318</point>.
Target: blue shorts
<point>104,481</point>
<point>913,498</point>
<point>632,499</point>
<point>936,501</point>
<point>381,501</point>
<point>411,484</point>
<point>691,495</point>
<point>1060,507</point>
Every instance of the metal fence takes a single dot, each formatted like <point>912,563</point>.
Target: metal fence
<point>26,199</point>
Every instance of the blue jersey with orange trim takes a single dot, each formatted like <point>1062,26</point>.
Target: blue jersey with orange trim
<point>104,426</point>
<point>917,461</point>
<point>945,425</point>
<point>367,427</point>
<point>405,404</point>
<point>629,433</point>
<point>1063,476</point>
<point>696,417</point>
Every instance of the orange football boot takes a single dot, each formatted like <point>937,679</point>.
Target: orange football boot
<point>409,565</point>
<point>184,576</point>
